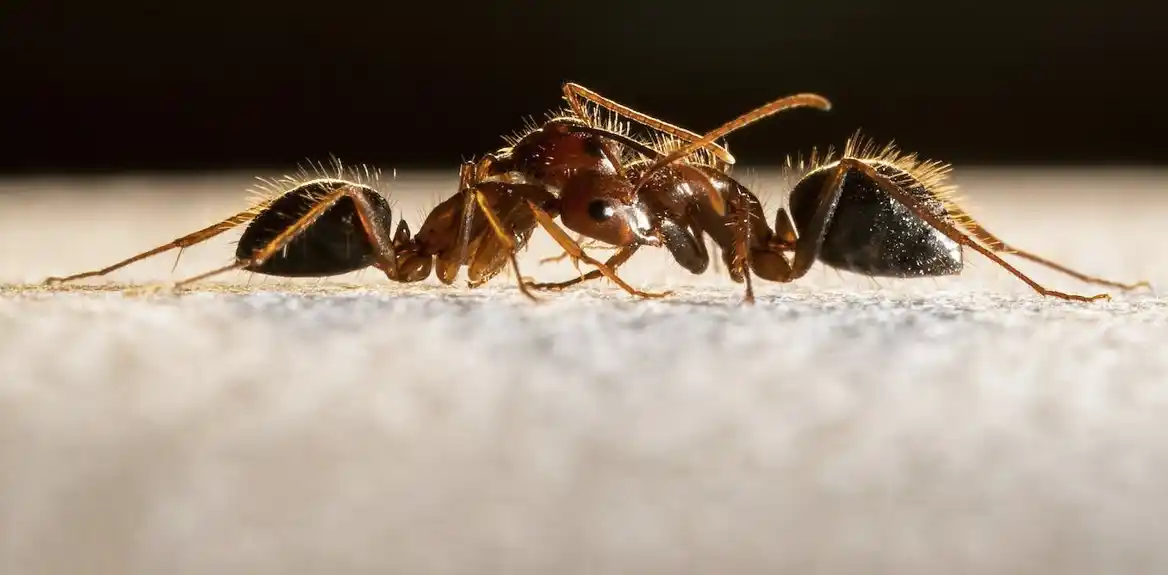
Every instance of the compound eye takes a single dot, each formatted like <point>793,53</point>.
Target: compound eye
<point>600,210</point>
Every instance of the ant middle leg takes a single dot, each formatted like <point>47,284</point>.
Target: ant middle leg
<point>753,249</point>
<point>742,261</point>
<point>561,237</point>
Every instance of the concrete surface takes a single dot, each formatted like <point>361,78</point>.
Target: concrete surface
<point>839,426</point>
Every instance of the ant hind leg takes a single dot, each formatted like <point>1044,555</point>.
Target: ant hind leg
<point>182,243</point>
<point>999,246</point>
<point>382,243</point>
<point>955,234</point>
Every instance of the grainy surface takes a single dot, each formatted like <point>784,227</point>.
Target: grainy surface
<point>354,426</point>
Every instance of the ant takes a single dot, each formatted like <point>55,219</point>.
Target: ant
<point>873,211</point>
<point>335,225</point>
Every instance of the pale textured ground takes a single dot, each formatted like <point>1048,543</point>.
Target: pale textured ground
<point>956,426</point>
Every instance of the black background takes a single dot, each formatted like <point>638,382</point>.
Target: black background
<point>192,86</point>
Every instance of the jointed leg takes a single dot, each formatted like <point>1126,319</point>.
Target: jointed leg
<point>999,246</point>
<point>742,260</point>
<point>619,258</point>
<point>180,243</point>
<point>574,249</point>
<point>584,242</point>
<point>565,255</point>
<point>772,263</point>
<point>466,175</point>
<point>897,193</point>
<point>503,236</point>
<point>381,241</point>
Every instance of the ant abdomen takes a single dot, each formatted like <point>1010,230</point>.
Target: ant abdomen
<point>872,233</point>
<point>334,244</point>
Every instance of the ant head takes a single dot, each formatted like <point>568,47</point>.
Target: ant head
<point>602,207</point>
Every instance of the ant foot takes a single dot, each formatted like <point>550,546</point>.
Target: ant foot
<point>652,295</point>
<point>554,259</point>
<point>1076,297</point>
<point>559,286</point>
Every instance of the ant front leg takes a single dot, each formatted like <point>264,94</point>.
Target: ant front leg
<point>688,249</point>
<point>527,191</point>
<point>899,194</point>
<point>580,239</point>
<point>561,237</point>
<point>620,257</point>
<point>584,242</point>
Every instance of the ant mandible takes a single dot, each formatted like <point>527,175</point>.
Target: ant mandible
<point>872,211</point>
<point>335,225</point>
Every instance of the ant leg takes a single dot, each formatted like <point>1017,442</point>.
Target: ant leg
<point>466,175</point>
<point>565,255</point>
<point>771,262</point>
<point>573,248</point>
<point>742,260</point>
<point>950,230</point>
<point>584,242</point>
<point>997,245</point>
<point>503,236</point>
<point>180,243</point>
<point>620,257</point>
<point>574,92</point>
<point>382,242</point>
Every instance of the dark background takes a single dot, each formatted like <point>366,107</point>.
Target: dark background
<point>192,86</point>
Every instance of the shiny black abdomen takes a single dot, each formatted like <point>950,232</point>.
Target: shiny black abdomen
<point>335,244</point>
<point>873,234</point>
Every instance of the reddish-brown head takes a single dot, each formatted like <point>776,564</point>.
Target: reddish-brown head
<point>602,207</point>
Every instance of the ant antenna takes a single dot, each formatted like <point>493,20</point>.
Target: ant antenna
<point>572,92</point>
<point>768,109</point>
